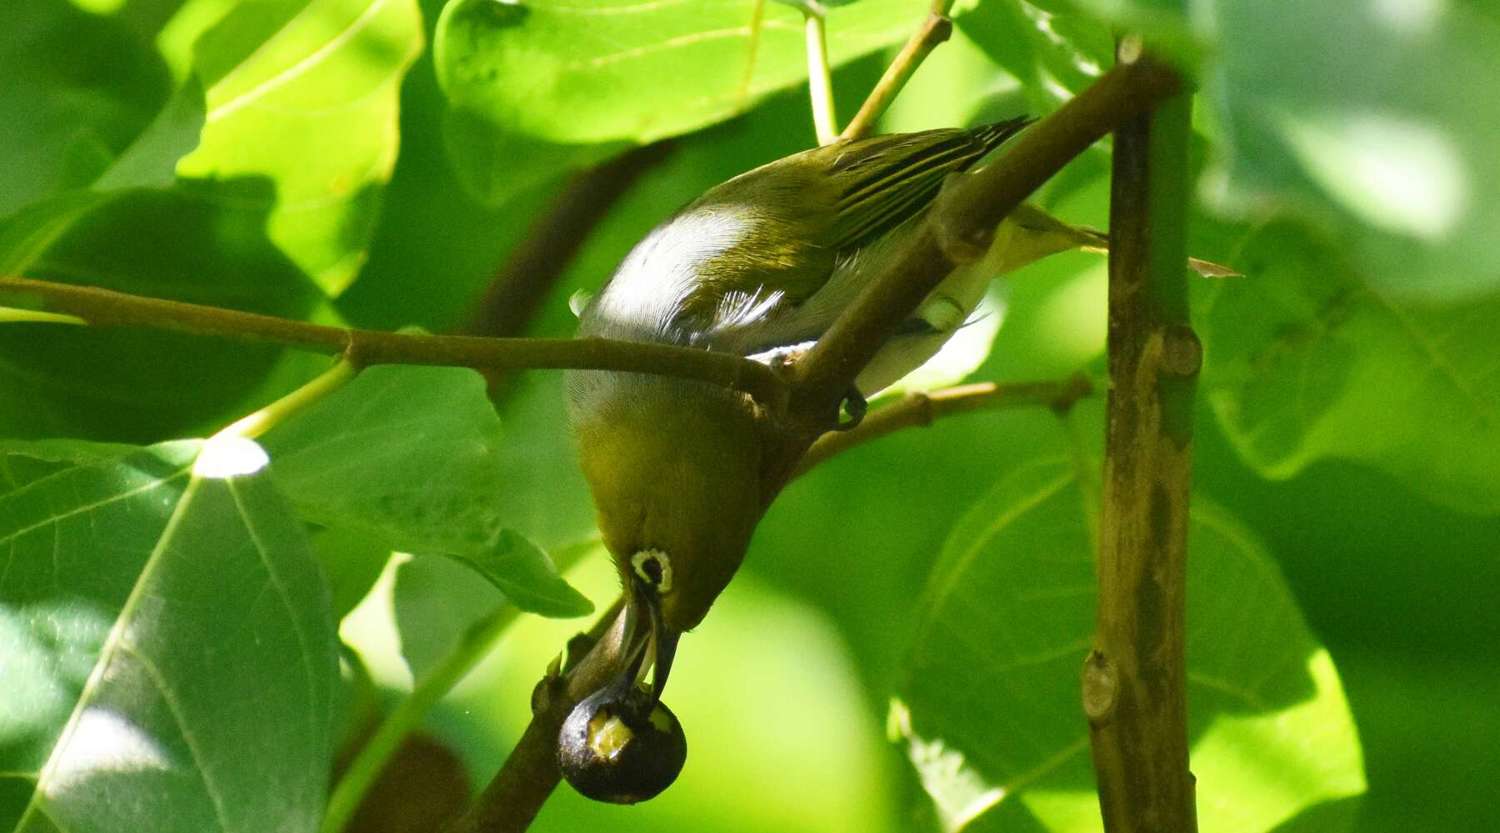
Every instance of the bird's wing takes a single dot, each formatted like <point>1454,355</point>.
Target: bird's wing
<point>815,216</point>
<point>887,180</point>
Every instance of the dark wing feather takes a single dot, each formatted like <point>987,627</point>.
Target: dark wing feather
<point>887,180</point>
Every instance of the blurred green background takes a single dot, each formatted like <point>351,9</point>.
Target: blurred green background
<point>1348,415</point>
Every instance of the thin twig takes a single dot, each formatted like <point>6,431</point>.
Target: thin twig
<point>933,31</point>
<point>1134,680</point>
<point>960,226</point>
<point>820,80</point>
<point>477,643</point>
<point>107,308</point>
<point>529,774</point>
<point>922,408</point>
<point>550,243</point>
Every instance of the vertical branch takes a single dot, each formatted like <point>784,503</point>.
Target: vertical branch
<point>1134,679</point>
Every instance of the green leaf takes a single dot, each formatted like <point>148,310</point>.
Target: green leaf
<point>405,454</point>
<point>351,562</point>
<point>304,93</point>
<point>527,577</point>
<point>1304,362</point>
<point>169,655</point>
<point>415,457</point>
<point>435,602</point>
<point>565,76</point>
<point>83,87</point>
<point>1369,117</point>
<point>100,95</point>
<point>989,706</point>
<point>189,243</point>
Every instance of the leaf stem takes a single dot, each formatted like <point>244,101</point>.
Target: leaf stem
<point>820,79</point>
<point>1134,680</point>
<point>477,643</point>
<point>105,308</point>
<point>15,315</point>
<point>513,797</point>
<point>920,409</point>
<point>263,420</point>
<point>933,31</point>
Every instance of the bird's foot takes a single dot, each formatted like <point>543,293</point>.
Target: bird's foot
<point>855,407</point>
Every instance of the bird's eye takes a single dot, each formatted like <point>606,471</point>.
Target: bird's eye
<point>654,568</point>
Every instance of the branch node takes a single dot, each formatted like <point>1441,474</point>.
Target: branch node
<point>1077,387</point>
<point>939,29</point>
<point>1182,352</point>
<point>1101,688</point>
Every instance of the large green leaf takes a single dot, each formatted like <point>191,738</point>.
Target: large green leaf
<point>304,93</point>
<point>546,81</point>
<point>989,708</point>
<point>1305,361</point>
<point>415,457</point>
<point>188,243</point>
<point>407,454</point>
<point>80,88</point>
<point>92,116</point>
<point>167,647</point>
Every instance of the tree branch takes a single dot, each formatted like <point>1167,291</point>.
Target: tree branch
<point>922,408</point>
<point>1134,680</point>
<point>933,31</point>
<point>107,308</point>
<point>552,241</point>
<point>529,774</point>
<point>960,226</point>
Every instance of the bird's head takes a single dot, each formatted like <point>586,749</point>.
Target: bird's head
<point>674,467</point>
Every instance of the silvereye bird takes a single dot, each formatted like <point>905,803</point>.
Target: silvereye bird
<point>759,266</point>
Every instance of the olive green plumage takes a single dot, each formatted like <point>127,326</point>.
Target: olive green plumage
<point>759,266</point>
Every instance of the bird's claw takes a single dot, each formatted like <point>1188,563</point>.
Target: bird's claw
<point>855,406</point>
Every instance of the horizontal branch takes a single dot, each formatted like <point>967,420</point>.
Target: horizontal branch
<point>920,409</point>
<point>107,308</point>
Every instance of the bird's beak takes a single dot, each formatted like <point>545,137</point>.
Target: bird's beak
<point>649,643</point>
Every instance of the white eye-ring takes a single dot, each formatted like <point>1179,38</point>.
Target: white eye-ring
<point>655,568</point>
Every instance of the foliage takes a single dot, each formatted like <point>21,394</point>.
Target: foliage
<point>171,609</point>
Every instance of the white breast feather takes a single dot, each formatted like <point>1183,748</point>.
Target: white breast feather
<point>663,268</point>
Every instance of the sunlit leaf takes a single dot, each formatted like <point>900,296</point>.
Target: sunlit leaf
<point>569,75</point>
<point>303,93</point>
<point>169,653</point>
<point>1305,361</point>
<point>989,708</point>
